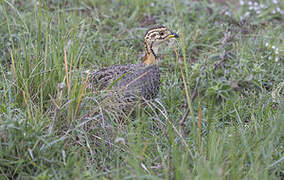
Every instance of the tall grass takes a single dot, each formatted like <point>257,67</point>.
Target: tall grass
<point>53,127</point>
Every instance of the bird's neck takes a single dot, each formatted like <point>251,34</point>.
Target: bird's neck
<point>149,59</point>
<point>150,56</point>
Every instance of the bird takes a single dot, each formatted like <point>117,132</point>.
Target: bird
<point>131,82</point>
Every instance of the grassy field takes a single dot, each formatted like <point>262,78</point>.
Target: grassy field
<point>219,113</point>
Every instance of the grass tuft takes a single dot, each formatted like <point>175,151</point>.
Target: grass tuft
<point>219,114</point>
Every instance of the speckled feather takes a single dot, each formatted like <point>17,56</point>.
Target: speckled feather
<point>135,80</point>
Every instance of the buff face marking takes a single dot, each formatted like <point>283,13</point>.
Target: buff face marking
<point>153,38</point>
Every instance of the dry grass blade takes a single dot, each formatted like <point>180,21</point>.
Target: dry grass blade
<point>66,72</point>
<point>144,150</point>
<point>13,64</point>
<point>81,94</point>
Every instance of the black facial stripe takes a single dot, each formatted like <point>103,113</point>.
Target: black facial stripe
<point>162,37</point>
<point>151,48</point>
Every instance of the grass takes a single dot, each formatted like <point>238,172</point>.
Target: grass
<point>234,129</point>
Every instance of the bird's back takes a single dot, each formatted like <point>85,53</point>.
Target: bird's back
<point>130,81</point>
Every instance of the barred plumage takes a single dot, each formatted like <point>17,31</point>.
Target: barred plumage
<point>133,81</point>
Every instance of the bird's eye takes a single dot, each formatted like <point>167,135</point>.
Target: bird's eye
<point>161,33</point>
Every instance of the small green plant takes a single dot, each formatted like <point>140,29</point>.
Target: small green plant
<point>218,115</point>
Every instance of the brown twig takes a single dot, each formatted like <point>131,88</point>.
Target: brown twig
<point>195,90</point>
<point>182,121</point>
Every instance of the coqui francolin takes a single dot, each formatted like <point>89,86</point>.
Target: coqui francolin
<point>131,82</point>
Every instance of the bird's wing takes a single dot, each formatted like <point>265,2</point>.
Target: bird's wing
<point>104,77</point>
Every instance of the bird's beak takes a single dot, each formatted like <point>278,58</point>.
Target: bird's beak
<point>173,35</point>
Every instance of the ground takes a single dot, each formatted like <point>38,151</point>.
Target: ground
<point>219,113</point>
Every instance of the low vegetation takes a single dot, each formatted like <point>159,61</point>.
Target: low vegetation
<point>219,114</point>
